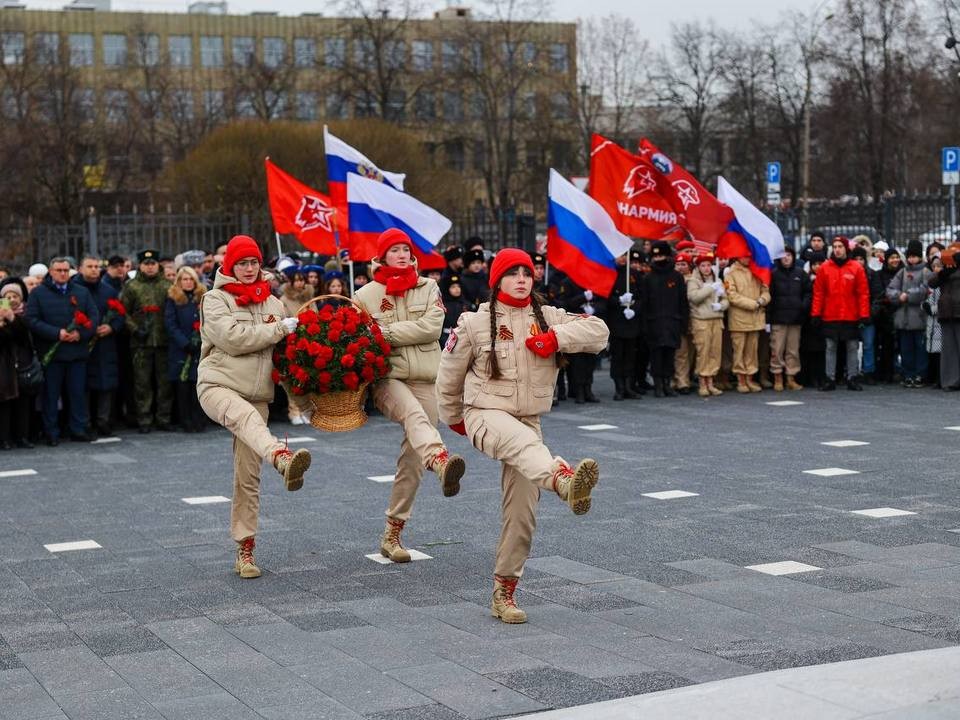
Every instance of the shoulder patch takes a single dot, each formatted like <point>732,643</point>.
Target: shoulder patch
<point>385,305</point>
<point>451,341</point>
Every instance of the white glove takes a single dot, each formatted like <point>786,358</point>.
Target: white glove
<point>720,289</point>
<point>290,324</point>
<point>716,307</point>
<point>628,313</point>
<point>588,309</point>
<point>626,299</point>
<point>588,294</point>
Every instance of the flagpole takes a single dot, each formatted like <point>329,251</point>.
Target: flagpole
<point>279,249</point>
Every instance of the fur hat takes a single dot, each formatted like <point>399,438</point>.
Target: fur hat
<point>661,248</point>
<point>915,249</point>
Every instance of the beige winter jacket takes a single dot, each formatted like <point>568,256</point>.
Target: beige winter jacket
<point>293,300</point>
<point>701,295</point>
<point>526,383</point>
<point>743,290</point>
<point>411,323</point>
<point>237,348</point>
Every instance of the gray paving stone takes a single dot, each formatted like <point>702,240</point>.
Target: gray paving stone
<point>162,675</point>
<point>679,659</point>
<point>21,696</point>
<point>556,688</point>
<point>425,712</point>
<point>320,708</point>
<point>71,671</point>
<point>575,657</point>
<point>289,645</point>
<point>216,706</point>
<point>572,570</point>
<point>469,694</point>
<point>115,704</point>
<point>843,583</point>
<point>588,628</point>
<point>647,682</point>
<point>378,647</point>
<point>360,687</point>
<point>580,597</point>
<point>117,641</point>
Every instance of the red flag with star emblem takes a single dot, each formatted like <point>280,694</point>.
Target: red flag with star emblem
<point>299,210</point>
<point>630,190</point>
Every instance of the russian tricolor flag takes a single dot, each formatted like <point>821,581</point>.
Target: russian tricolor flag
<point>375,206</point>
<point>749,233</point>
<point>582,240</point>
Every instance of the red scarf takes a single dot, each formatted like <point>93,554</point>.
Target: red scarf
<point>252,294</point>
<point>397,280</point>
<point>512,301</point>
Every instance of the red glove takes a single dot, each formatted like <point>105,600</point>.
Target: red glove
<point>544,344</point>
<point>459,428</point>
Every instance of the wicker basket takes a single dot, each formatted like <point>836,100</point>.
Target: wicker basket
<point>339,411</point>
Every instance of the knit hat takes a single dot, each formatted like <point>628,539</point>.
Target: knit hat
<point>38,270</point>
<point>239,247</point>
<point>11,284</point>
<point>506,259</point>
<point>859,252</point>
<point>915,249</point>
<point>705,257</point>
<point>390,237</point>
<point>683,257</point>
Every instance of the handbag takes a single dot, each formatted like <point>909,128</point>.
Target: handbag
<point>30,378</point>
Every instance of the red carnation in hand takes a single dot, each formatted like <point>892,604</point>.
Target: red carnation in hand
<point>196,325</point>
<point>275,376</point>
<point>351,380</point>
<point>367,374</point>
<point>348,360</point>
<point>291,351</point>
<point>80,318</point>
<point>116,306</point>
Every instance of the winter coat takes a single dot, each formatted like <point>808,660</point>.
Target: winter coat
<point>237,342</point>
<point>453,309</point>
<point>411,323</point>
<point>293,300</point>
<point>140,296</point>
<point>180,311</point>
<point>911,280</point>
<point>840,293</point>
<point>701,295</point>
<point>948,281</point>
<point>526,383</point>
<point>620,325</point>
<point>744,289</point>
<point>934,333</point>
<point>791,293</point>
<point>573,298</point>
<point>103,368</point>
<point>476,287</point>
<point>16,352</point>
<point>663,303</point>
<point>49,311</point>
<point>883,311</point>
<point>878,293</point>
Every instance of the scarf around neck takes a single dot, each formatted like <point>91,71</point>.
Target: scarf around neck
<point>397,280</point>
<point>253,294</point>
<point>512,301</point>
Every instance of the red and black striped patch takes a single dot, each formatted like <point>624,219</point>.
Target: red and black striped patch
<point>505,333</point>
<point>385,305</point>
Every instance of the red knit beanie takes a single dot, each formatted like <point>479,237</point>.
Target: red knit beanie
<point>390,237</point>
<point>239,247</point>
<point>506,259</point>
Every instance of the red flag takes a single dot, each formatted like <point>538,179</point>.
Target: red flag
<point>701,213</point>
<point>298,209</point>
<point>630,189</point>
<point>433,261</point>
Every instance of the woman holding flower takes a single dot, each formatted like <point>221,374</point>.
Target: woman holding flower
<point>240,322</point>
<point>409,311</point>
<point>181,315</point>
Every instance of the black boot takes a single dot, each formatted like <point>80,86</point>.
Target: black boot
<point>627,392</point>
<point>618,392</point>
<point>667,390</point>
<point>658,387</point>
<point>588,394</point>
<point>580,397</point>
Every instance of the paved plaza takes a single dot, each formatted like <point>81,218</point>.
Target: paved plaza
<point>728,537</point>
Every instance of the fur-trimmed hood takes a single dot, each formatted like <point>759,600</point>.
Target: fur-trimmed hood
<point>179,297</point>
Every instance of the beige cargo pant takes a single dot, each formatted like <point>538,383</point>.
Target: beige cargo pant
<point>785,349</point>
<point>744,351</point>
<point>527,467</point>
<point>708,339</point>
<point>414,406</point>
<point>683,360</point>
<point>252,442</point>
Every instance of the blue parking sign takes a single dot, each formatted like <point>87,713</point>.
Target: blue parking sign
<point>773,173</point>
<point>950,164</point>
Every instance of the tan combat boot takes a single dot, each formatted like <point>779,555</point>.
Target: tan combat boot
<point>575,486</point>
<point>246,566</point>
<point>503,605</point>
<point>390,546</point>
<point>450,469</point>
<point>714,390</point>
<point>704,389</point>
<point>792,383</point>
<point>291,466</point>
<point>778,382</point>
<point>742,384</point>
<point>752,385</point>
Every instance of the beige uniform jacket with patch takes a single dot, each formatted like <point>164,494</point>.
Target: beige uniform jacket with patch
<point>743,291</point>
<point>527,380</point>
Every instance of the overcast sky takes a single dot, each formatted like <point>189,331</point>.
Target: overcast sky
<point>653,17</point>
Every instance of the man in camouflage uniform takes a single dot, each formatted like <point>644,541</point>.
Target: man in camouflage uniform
<point>143,298</point>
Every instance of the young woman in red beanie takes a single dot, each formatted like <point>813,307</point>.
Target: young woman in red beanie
<point>240,323</point>
<point>497,376</point>
<point>410,312</point>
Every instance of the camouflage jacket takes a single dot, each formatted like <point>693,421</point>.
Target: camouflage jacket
<point>144,298</point>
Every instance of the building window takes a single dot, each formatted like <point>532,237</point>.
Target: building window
<point>395,52</point>
<point>453,150</point>
<point>425,106</point>
<point>529,53</point>
<point>149,101</point>
<point>530,105</point>
<point>244,51</point>
<point>114,50</point>
<point>364,53</point>
<point>559,58</point>
<point>477,106</point>
<point>46,48</point>
<point>148,50</point>
<point>560,106</point>
<point>181,105</point>
<point>244,105</point>
<point>116,105</point>
<point>335,52</point>
<point>422,56</point>
<point>397,105</point>
<point>274,51</point>
<point>181,50</point>
<point>450,56</point>
<point>452,106</point>
<point>365,105</point>
<point>85,105</point>
<point>213,103</point>
<point>276,104</point>
<point>509,52</point>
<point>476,56</point>
<point>304,52</point>
<point>211,51</point>
<point>479,155</point>
<point>13,47</point>
<point>336,106</point>
<point>81,49</point>
<point>9,106</point>
<point>306,108</point>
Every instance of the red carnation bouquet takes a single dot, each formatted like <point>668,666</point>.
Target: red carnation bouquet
<point>194,342</point>
<point>333,350</point>
<point>80,320</point>
<point>115,309</point>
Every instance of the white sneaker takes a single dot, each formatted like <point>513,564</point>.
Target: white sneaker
<point>296,420</point>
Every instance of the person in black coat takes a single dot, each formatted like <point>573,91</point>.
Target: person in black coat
<point>181,317</point>
<point>51,309</point>
<point>624,320</point>
<point>453,303</point>
<point>16,354</point>
<point>575,299</point>
<point>474,280</point>
<point>103,369</point>
<point>887,347</point>
<point>791,293</point>
<point>665,311</point>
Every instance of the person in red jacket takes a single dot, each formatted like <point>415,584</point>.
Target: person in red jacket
<point>841,303</point>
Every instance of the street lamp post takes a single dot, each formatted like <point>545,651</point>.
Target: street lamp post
<point>815,28</point>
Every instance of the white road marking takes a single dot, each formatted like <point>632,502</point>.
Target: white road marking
<point>205,500</point>
<point>784,403</point>
<point>76,545</point>
<point>831,472</point>
<point>669,494</point>
<point>601,426</point>
<point>303,439</point>
<point>105,440</point>
<point>882,512</point>
<point>414,555</point>
<point>953,427</point>
<point>786,567</point>
<point>844,443</point>
<point>17,473</point>
<point>382,478</point>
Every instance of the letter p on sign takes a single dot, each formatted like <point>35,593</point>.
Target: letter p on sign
<point>950,162</point>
